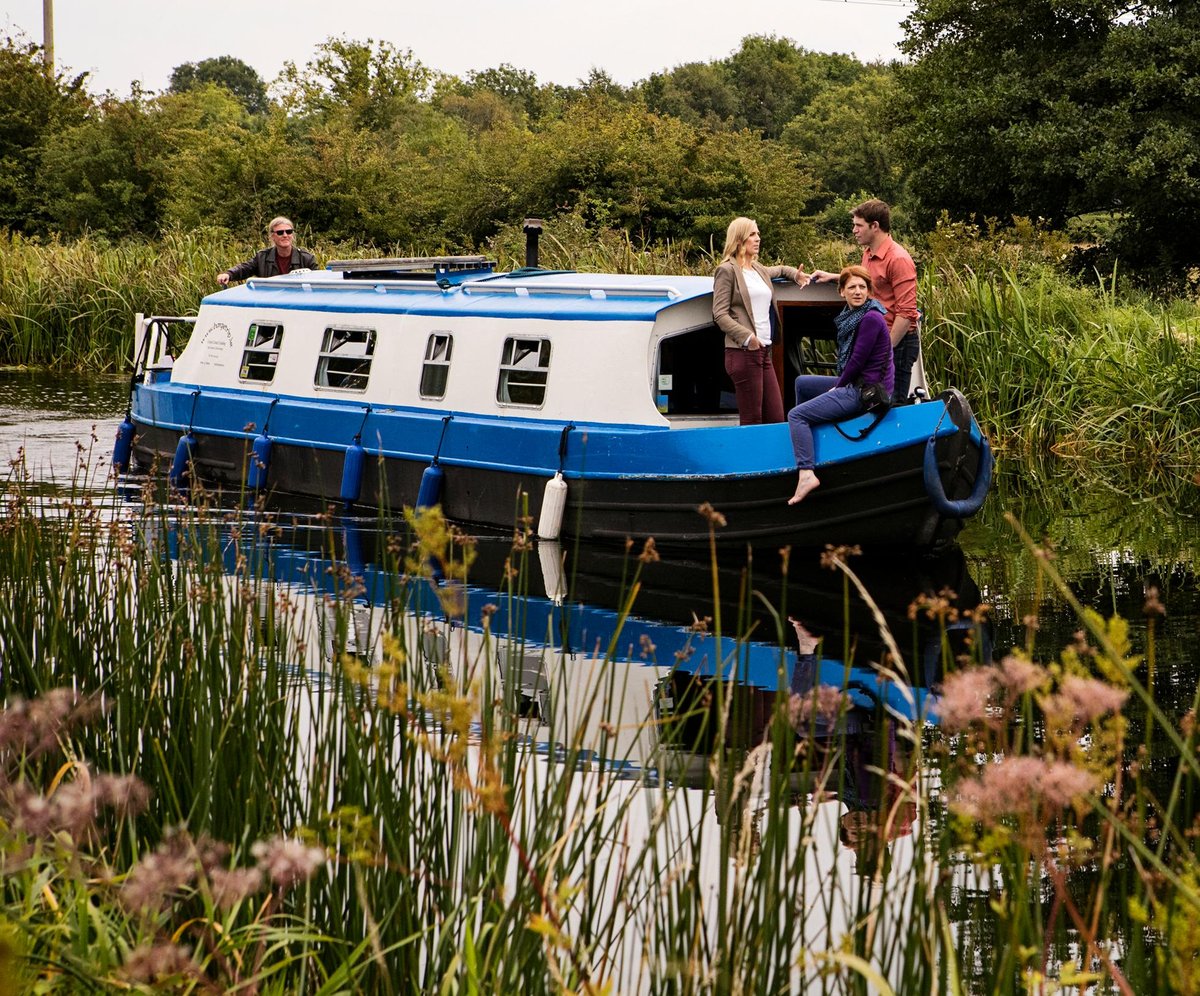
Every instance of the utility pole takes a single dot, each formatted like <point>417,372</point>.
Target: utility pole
<point>48,36</point>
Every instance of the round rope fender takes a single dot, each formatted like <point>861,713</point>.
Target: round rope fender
<point>964,506</point>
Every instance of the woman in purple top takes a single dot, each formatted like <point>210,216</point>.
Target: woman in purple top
<point>864,360</point>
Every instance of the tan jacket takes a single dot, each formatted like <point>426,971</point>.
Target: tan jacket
<point>731,299</point>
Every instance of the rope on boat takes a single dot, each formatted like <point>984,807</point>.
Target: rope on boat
<point>963,507</point>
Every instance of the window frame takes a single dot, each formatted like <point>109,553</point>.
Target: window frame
<point>273,351</point>
<point>369,338</point>
<point>431,364</point>
<point>503,382</point>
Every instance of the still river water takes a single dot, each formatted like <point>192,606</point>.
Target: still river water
<point>1109,546</point>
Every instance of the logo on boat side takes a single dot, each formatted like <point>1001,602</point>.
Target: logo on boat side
<point>216,341</point>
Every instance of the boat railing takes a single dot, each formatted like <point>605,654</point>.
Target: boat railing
<point>152,345</point>
<point>599,292</point>
<point>408,264</point>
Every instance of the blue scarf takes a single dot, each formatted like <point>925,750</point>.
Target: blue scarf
<point>847,321</point>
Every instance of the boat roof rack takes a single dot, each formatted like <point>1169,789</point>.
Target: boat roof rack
<point>593,290</point>
<point>412,267</point>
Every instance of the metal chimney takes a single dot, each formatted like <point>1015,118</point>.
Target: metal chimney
<point>533,229</point>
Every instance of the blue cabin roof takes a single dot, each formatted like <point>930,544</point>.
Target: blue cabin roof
<point>552,295</point>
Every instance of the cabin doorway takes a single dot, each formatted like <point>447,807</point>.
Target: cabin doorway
<point>808,344</point>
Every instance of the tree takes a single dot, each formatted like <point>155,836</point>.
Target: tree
<point>33,107</point>
<point>233,74</point>
<point>108,173</point>
<point>1050,108</point>
<point>699,93</point>
<point>845,136</point>
<point>374,83</point>
<point>1145,159</point>
<point>775,80</point>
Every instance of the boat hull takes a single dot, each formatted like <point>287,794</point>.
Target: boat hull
<point>874,492</point>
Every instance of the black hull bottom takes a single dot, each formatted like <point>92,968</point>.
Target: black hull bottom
<point>879,500</point>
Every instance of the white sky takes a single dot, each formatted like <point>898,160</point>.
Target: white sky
<point>119,41</point>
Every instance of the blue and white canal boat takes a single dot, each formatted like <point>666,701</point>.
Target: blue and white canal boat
<point>597,404</point>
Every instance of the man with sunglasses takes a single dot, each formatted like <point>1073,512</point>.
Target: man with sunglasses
<point>282,257</point>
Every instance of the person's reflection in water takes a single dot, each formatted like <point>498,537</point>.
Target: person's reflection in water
<point>872,775</point>
<point>880,798</point>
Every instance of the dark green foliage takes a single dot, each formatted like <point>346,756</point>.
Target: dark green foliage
<point>776,80</point>
<point>699,93</point>
<point>845,136</point>
<point>1048,110</point>
<point>1055,108</point>
<point>109,172</point>
<point>225,71</point>
<point>371,83</point>
<point>33,108</point>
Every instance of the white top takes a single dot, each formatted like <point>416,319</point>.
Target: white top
<point>760,304</point>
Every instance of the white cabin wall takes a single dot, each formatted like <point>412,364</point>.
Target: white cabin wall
<point>599,370</point>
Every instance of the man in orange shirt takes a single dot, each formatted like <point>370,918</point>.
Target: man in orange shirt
<point>894,285</point>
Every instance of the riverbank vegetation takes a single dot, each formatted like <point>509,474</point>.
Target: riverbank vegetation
<point>213,780</point>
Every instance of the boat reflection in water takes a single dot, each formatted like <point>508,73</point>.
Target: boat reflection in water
<point>630,656</point>
<point>649,718</point>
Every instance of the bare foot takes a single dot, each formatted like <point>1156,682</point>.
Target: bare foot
<point>807,482</point>
<point>806,641</point>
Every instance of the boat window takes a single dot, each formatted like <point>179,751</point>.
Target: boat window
<point>345,359</point>
<point>523,367</point>
<point>691,378</point>
<point>436,370</point>
<point>262,352</point>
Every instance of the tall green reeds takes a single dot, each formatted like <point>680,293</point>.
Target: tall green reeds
<point>351,794</point>
<point>1054,368</point>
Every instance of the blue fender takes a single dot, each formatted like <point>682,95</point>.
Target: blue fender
<point>964,507</point>
<point>352,472</point>
<point>123,447</point>
<point>260,462</point>
<point>182,464</point>
<point>430,491</point>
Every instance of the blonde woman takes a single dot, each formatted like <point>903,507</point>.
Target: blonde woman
<point>742,301</point>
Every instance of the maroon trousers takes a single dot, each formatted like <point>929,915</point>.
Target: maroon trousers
<point>753,376</point>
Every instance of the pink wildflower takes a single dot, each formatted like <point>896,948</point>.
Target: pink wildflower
<point>32,812</point>
<point>73,805</point>
<point>34,727</point>
<point>151,963</point>
<point>1023,787</point>
<point>158,875</point>
<point>231,885</point>
<point>127,794</point>
<point>1019,676</point>
<point>1062,784</point>
<point>287,860</point>
<point>965,697</point>
<point>1084,699</point>
<point>825,702</point>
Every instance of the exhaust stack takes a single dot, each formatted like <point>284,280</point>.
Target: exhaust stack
<point>533,230</point>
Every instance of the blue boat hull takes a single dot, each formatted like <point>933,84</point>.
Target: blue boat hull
<point>622,481</point>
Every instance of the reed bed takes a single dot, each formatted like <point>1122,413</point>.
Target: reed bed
<point>212,780</point>
<point>1083,374</point>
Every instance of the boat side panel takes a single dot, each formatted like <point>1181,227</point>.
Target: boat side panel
<point>879,500</point>
<point>598,372</point>
<point>592,451</point>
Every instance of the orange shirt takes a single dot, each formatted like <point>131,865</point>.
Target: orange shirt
<point>893,280</point>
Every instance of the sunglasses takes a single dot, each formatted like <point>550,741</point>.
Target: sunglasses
<point>283,231</point>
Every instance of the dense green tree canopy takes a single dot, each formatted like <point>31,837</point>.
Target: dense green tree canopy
<point>33,108</point>
<point>1050,108</point>
<point>233,74</point>
<point>1036,108</point>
